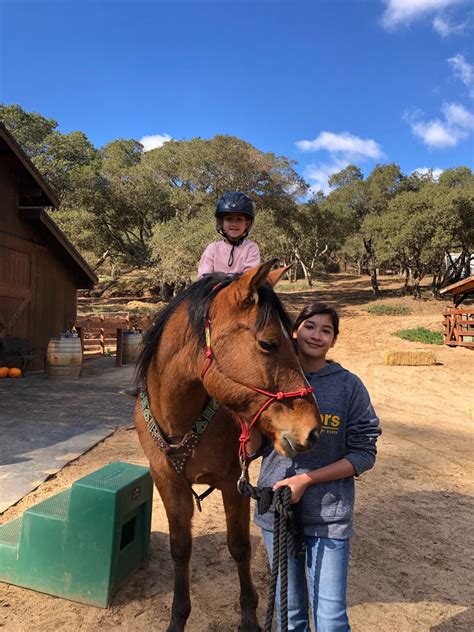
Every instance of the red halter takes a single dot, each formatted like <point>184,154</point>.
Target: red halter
<point>272,397</point>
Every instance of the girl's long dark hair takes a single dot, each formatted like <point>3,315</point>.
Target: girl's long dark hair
<point>317,308</point>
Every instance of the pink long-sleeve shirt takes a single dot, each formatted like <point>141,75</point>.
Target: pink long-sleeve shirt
<point>216,257</point>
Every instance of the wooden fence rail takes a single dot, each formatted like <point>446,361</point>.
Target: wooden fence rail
<point>101,332</point>
<point>458,327</point>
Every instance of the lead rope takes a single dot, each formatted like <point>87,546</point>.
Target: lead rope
<point>288,539</point>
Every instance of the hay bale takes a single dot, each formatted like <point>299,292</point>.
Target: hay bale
<point>417,357</point>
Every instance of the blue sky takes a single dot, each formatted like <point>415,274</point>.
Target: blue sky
<point>326,83</point>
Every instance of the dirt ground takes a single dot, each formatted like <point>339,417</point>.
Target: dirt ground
<point>411,565</point>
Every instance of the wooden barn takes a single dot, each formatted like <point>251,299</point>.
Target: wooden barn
<point>40,270</point>
<point>458,323</point>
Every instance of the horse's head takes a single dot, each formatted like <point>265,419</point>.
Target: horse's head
<point>250,351</point>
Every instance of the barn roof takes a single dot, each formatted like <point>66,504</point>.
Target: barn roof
<point>58,239</point>
<point>34,190</point>
<point>35,194</point>
<point>460,290</point>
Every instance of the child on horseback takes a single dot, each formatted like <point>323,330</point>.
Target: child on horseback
<point>322,479</point>
<point>234,253</point>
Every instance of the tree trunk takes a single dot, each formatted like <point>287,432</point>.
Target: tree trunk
<point>406,272</point>
<point>416,289</point>
<point>373,280</point>
<point>306,271</point>
<point>101,260</point>
<point>307,274</point>
<point>372,267</point>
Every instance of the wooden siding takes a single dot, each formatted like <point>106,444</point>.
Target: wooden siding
<point>9,199</point>
<point>55,296</point>
<point>38,286</point>
<point>15,291</point>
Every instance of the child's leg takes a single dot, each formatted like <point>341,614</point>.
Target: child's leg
<point>298,619</point>
<point>328,565</point>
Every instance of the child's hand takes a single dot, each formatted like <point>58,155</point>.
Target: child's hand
<point>297,484</point>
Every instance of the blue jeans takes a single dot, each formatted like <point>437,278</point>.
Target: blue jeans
<point>325,569</point>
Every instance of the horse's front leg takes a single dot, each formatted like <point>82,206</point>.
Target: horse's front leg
<point>237,513</point>
<point>178,503</point>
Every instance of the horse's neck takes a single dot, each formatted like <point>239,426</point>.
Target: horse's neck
<point>176,395</point>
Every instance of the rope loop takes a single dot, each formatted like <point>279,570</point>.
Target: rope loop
<point>288,539</point>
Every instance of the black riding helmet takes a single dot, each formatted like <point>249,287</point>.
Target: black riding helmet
<point>235,202</point>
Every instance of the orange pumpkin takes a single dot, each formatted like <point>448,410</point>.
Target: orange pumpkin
<point>14,372</point>
<point>3,371</point>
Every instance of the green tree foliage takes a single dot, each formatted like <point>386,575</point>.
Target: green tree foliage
<point>157,208</point>
<point>348,175</point>
<point>202,170</point>
<point>195,174</point>
<point>355,203</point>
<point>69,162</point>
<point>29,129</point>
<point>419,228</point>
<point>177,245</point>
<point>457,178</point>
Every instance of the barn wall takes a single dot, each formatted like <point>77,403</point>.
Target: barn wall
<point>36,283</point>
<point>10,222</point>
<point>55,296</point>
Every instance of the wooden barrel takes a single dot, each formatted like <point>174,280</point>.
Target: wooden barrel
<point>64,358</point>
<point>132,345</point>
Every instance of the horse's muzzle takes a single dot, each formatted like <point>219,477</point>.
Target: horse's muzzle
<point>313,437</point>
<point>292,447</point>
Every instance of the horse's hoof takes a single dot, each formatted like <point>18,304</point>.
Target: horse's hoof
<point>250,627</point>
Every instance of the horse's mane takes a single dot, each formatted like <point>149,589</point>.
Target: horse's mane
<point>200,296</point>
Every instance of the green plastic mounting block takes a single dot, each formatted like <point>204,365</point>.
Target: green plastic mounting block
<point>82,543</point>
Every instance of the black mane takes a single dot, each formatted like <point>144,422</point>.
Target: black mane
<point>200,296</point>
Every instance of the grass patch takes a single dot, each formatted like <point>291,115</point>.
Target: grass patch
<point>388,310</point>
<point>300,285</point>
<point>420,334</point>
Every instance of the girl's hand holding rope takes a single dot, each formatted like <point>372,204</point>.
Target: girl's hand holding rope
<point>297,484</point>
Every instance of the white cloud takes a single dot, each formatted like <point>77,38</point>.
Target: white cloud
<point>435,173</point>
<point>319,174</point>
<point>343,149</point>
<point>442,26</point>
<point>463,70</point>
<point>404,12</point>
<point>434,134</point>
<point>345,144</point>
<point>154,141</point>
<point>458,123</point>
<point>457,116</point>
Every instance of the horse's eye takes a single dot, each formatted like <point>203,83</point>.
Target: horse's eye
<point>267,345</point>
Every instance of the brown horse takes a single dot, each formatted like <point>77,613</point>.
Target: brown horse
<point>248,346</point>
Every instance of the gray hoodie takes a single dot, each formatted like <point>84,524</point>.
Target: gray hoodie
<point>350,429</point>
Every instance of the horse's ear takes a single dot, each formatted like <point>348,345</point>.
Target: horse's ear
<point>250,281</point>
<point>275,275</point>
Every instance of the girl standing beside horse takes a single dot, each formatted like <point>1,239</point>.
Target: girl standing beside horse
<point>323,479</point>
